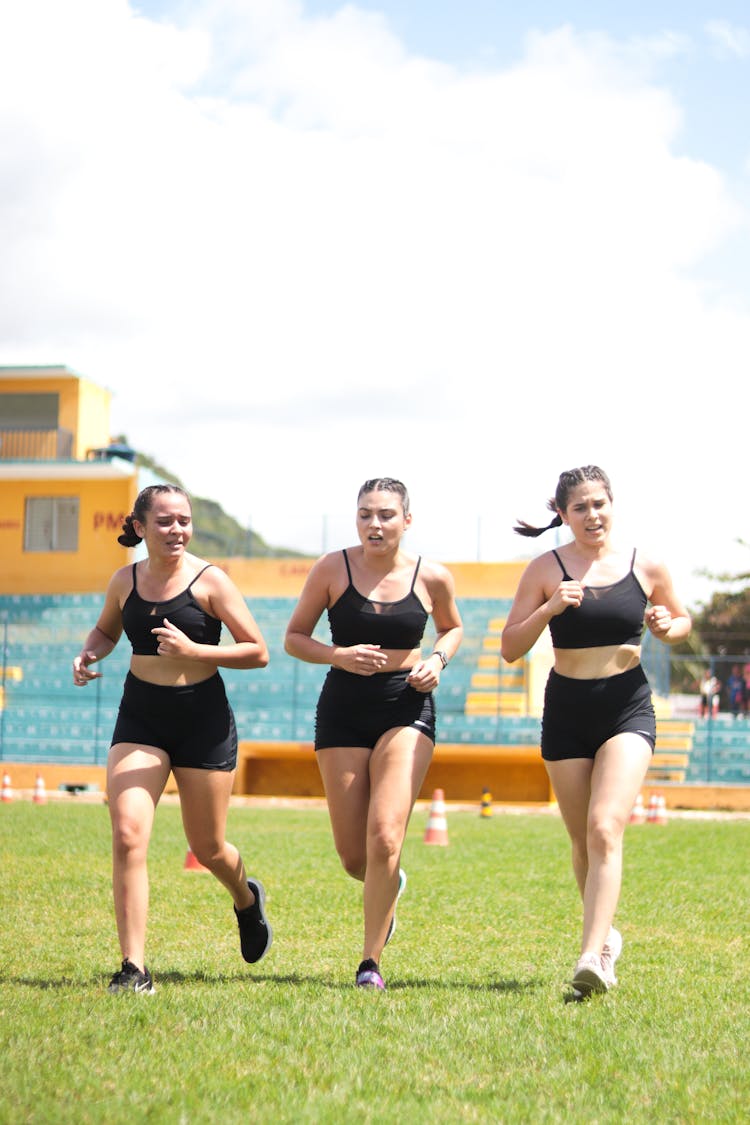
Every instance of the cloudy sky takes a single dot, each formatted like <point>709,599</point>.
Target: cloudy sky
<point>468,244</point>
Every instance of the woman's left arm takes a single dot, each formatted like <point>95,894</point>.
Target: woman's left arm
<point>425,675</point>
<point>227,603</point>
<point>667,618</point>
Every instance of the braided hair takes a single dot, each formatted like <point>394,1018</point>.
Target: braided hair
<point>569,480</point>
<point>386,484</point>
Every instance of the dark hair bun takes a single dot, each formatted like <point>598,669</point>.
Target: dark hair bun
<point>129,537</point>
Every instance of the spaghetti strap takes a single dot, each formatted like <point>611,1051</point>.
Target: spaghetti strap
<point>135,584</point>
<point>205,568</point>
<point>416,572</point>
<point>348,569</point>
<point>566,576</point>
<point>632,561</point>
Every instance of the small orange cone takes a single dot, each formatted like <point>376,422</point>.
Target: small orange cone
<point>638,812</point>
<point>192,864</point>
<point>40,793</point>
<point>7,791</point>
<point>486,809</point>
<point>437,826</point>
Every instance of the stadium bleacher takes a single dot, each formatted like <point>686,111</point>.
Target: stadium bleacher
<point>481,701</point>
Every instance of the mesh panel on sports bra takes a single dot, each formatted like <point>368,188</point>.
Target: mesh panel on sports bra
<point>139,617</point>
<point>608,615</point>
<point>354,619</point>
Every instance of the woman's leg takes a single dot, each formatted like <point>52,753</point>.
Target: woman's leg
<point>619,769</point>
<point>595,800</point>
<point>204,802</point>
<point>571,781</point>
<point>398,766</point>
<point>136,776</point>
<point>345,771</point>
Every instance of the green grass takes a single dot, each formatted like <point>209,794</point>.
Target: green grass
<point>473,1027</point>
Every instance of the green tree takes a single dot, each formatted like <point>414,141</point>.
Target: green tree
<point>723,624</point>
<point>215,533</point>
<point>720,634</point>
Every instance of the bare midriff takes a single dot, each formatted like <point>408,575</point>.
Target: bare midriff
<point>596,663</point>
<point>169,671</point>
<point>400,659</point>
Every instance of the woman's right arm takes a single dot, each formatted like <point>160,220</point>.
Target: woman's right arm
<point>364,660</point>
<point>103,637</point>
<point>532,610</point>
<point>313,601</point>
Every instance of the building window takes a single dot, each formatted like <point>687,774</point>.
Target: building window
<point>30,411</point>
<point>51,523</point>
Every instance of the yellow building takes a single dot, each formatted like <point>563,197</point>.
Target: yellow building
<point>64,487</point>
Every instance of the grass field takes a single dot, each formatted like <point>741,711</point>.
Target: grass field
<point>473,1026</point>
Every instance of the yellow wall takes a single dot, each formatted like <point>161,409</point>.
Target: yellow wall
<point>84,407</point>
<point>92,430</point>
<point>104,503</point>
<point>284,578</point>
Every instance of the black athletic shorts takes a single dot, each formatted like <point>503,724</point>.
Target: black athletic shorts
<point>193,723</point>
<point>580,715</point>
<point>357,710</point>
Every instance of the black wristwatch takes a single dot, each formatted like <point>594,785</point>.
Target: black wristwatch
<point>443,657</point>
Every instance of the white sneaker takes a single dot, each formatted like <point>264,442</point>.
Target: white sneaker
<point>401,886</point>
<point>611,951</point>
<point>589,975</point>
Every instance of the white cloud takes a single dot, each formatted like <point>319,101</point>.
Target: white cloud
<point>301,256</point>
<point>729,39</point>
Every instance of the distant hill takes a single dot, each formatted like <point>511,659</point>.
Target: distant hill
<point>215,532</point>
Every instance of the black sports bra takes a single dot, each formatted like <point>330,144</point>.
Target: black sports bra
<point>608,615</point>
<point>140,617</point>
<point>355,620</point>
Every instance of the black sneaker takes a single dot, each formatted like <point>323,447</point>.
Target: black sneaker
<point>131,979</point>
<point>256,934</point>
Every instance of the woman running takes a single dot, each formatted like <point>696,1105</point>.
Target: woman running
<point>598,725</point>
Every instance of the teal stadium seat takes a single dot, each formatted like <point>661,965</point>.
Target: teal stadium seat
<point>47,719</point>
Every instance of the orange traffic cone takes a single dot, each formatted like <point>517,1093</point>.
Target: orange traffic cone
<point>437,826</point>
<point>486,809</point>
<point>638,812</point>
<point>40,793</point>
<point>653,809</point>
<point>7,791</point>
<point>192,864</point>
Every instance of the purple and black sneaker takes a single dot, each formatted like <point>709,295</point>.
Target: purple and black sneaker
<point>368,975</point>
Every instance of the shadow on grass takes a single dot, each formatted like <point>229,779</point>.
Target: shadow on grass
<point>451,984</point>
<point>99,981</point>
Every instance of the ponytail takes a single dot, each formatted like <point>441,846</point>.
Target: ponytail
<point>527,529</point>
